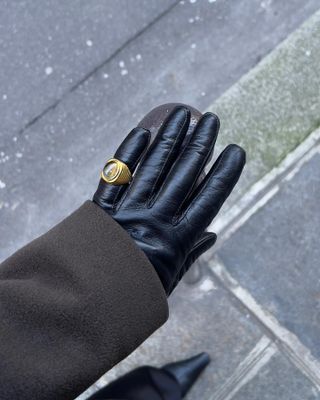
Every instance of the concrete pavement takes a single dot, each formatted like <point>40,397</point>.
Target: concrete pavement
<point>53,128</point>
<point>70,90</point>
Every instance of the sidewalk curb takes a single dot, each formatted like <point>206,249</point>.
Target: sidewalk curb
<point>274,107</point>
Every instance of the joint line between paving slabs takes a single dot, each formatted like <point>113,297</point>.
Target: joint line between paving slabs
<point>258,357</point>
<point>287,342</point>
<point>263,190</point>
<point>92,72</point>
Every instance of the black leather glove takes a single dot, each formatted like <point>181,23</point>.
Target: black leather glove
<point>163,209</point>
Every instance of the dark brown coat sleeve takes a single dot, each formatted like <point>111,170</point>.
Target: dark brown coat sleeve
<point>73,303</point>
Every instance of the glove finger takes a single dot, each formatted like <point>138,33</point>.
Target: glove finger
<point>190,164</point>
<point>159,158</point>
<point>209,196</point>
<point>130,152</point>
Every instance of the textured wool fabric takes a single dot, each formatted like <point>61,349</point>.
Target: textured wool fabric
<point>73,303</point>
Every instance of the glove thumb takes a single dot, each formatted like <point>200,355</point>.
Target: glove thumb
<point>206,241</point>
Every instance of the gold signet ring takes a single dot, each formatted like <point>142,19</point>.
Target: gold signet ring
<point>115,172</point>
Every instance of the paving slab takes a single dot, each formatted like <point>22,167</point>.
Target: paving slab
<point>203,318</point>
<point>48,47</point>
<point>275,255</point>
<point>278,380</point>
<point>192,54</point>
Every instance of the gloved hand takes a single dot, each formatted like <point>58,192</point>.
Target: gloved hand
<point>163,209</point>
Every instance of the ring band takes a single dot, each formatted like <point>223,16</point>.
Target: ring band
<point>115,172</point>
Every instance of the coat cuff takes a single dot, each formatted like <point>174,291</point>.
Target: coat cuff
<point>122,277</point>
<point>74,302</point>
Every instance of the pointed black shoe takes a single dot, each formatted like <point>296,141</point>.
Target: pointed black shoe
<point>186,372</point>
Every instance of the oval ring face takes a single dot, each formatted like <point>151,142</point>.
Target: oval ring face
<point>111,170</point>
<point>115,172</point>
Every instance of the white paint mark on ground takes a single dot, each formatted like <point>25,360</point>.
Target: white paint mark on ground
<point>266,4</point>
<point>193,46</point>
<point>48,70</point>
<point>4,157</point>
<point>287,342</point>
<point>207,285</point>
<point>124,72</point>
<point>259,356</point>
<point>89,43</point>
<point>2,184</point>
<point>15,205</point>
